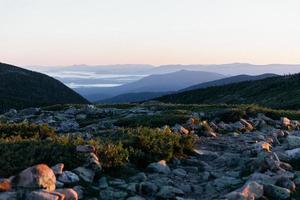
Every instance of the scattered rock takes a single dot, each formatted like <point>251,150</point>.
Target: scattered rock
<point>169,192</point>
<point>85,174</point>
<point>69,194</point>
<point>159,167</point>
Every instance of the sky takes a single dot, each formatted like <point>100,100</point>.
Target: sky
<point>67,32</point>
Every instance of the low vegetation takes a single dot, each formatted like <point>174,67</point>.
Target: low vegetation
<point>276,92</point>
<point>30,144</point>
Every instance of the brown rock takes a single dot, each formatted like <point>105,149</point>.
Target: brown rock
<point>36,177</point>
<point>5,185</point>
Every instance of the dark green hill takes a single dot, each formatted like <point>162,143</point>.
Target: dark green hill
<point>20,88</point>
<point>275,92</point>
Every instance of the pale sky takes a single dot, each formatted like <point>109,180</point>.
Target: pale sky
<point>66,32</point>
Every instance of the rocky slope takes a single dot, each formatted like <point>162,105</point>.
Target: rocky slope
<point>254,157</point>
<point>275,92</point>
<point>20,88</point>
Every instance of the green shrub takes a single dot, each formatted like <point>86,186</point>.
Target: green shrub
<point>112,155</point>
<point>150,145</point>
<point>152,121</point>
<point>25,130</point>
<point>17,154</point>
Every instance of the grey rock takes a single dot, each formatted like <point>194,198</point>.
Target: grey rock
<point>276,192</point>
<point>159,167</point>
<point>179,172</point>
<point>87,175</point>
<point>168,192</point>
<point>68,177</point>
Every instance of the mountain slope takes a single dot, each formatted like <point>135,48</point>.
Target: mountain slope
<point>229,80</point>
<point>20,88</point>
<point>275,92</point>
<point>133,97</point>
<point>161,83</point>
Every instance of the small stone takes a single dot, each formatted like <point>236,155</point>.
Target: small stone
<point>169,192</point>
<point>102,183</point>
<point>147,188</point>
<point>285,121</point>
<point>179,172</point>
<point>251,190</point>
<point>159,167</point>
<point>135,198</point>
<point>69,194</point>
<point>138,177</point>
<point>112,194</point>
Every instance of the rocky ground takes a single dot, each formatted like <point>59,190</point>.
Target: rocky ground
<point>253,158</point>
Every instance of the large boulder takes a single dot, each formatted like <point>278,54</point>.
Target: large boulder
<point>159,167</point>
<point>36,177</point>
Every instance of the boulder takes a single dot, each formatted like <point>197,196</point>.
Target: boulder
<point>36,177</point>
<point>293,154</point>
<point>276,192</point>
<point>5,185</point>
<point>159,167</point>
<point>8,195</point>
<point>226,182</point>
<point>68,177</point>
<point>286,183</point>
<point>87,175</point>
<point>169,192</point>
<point>69,194</point>
<point>293,141</point>
<point>251,190</point>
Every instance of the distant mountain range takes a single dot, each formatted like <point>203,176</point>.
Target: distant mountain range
<point>154,83</point>
<point>143,96</point>
<point>225,81</point>
<point>20,88</point>
<point>275,92</point>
